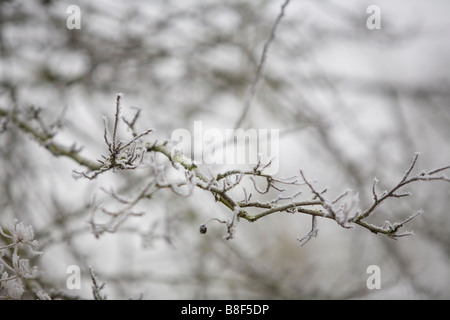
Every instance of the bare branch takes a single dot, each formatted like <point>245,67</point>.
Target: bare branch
<point>259,71</point>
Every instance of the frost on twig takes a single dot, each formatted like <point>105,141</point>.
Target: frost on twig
<point>348,213</point>
<point>124,207</point>
<point>230,224</point>
<point>313,233</point>
<point>393,228</point>
<point>342,209</point>
<point>14,267</point>
<point>395,192</point>
<point>121,155</point>
<point>96,287</point>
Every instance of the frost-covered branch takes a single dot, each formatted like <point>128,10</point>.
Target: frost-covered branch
<point>392,229</point>
<point>393,193</point>
<point>96,287</point>
<point>348,212</point>
<point>288,194</point>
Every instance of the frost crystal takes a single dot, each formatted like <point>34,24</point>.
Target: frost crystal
<point>23,233</point>
<point>41,295</point>
<point>14,267</point>
<point>14,288</point>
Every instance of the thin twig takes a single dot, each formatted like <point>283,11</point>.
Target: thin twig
<point>259,71</point>
<point>313,233</point>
